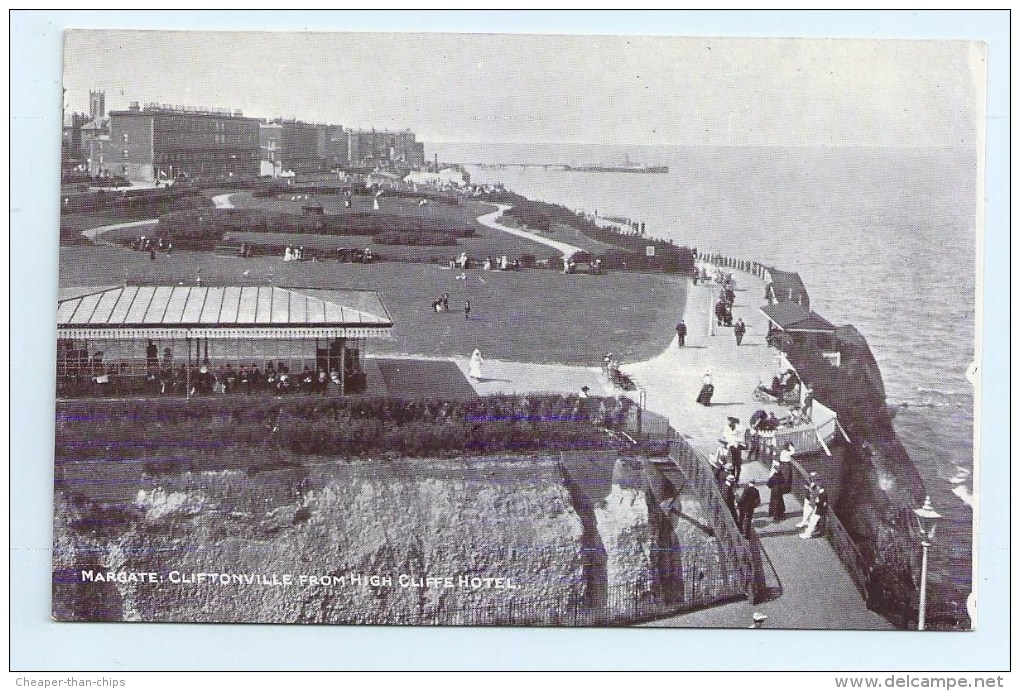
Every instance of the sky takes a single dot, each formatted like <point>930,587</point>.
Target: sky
<point>543,88</point>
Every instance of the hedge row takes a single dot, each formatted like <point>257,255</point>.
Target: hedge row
<point>222,221</point>
<point>338,425</point>
<point>415,239</point>
<point>609,412</point>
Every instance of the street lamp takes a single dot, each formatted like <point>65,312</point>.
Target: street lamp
<point>927,518</point>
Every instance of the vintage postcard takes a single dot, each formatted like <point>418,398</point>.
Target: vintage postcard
<point>517,330</point>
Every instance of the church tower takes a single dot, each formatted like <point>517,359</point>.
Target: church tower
<point>97,105</point>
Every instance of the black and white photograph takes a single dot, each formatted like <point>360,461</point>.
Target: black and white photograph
<point>518,330</point>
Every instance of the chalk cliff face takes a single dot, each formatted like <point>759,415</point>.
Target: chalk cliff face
<point>454,545</point>
<point>629,538</point>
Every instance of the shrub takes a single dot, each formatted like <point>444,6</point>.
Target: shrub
<point>417,239</point>
<point>176,430</point>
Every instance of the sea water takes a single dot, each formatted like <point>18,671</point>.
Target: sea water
<point>883,238</point>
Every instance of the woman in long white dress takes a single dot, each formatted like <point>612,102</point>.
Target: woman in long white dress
<point>475,368</point>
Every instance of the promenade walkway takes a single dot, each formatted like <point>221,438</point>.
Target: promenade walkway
<point>814,592</point>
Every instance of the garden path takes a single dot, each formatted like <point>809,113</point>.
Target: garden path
<point>489,220</point>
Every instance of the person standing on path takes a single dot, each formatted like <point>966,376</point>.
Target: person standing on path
<point>777,487</point>
<point>152,355</point>
<point>816,524</point>
<point>467,309</point>
<point>750,499</point>
<point>681,334</point>
<point>739,329</point>
<point>733,435</point>
<point>475,367</point>
<point>707,389</point>
<point>808,395</point>
<point>730,495</point>
<point>811,488</point>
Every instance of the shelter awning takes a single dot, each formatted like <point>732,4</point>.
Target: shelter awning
<point>791,317</point>
<point>261,312</point>
<point>787,286</point>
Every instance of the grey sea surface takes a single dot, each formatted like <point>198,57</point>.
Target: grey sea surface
<point>884,239</point>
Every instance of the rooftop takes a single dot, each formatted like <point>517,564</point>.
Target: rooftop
<point>789,316</point>
<point>176,306</point>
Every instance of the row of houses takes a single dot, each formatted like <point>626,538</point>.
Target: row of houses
<point>158,142</point>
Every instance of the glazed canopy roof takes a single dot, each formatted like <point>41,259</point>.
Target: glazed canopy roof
<point>789,316</point>
<point>138,311</point>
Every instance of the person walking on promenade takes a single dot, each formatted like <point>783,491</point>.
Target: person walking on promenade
<point>733,435</point>
<point>475,368</point>
<point>720,461</point>
<point>730,495</point>
<point>707,389</point>
<point>816,524</point>
<point>811,488</point>
<point>776,485</point>
<point>808,400</point>
<point>750,499</point>
<point>739,329</point>
<point>681,334</point>
<point>467,309</point>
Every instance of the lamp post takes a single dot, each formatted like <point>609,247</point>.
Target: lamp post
<point>927,518</point>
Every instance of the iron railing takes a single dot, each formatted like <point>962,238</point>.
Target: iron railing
<point>737,551</point>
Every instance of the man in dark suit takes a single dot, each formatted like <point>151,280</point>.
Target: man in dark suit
<point>730,495</point>
<point>749,500</point>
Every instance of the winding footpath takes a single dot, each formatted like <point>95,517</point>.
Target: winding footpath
<point>489,220</point>
<point>94,233</point>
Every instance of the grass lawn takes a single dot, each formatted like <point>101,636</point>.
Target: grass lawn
<point>333,205</point>
<point>485,242</point>
<point>535,315</point>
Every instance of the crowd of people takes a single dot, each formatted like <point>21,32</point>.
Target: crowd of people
<point>151,245</point>
<point>592,268</point>
<point>441,303</point>
<point>294,254</point>
<point>724,307</point>
<point>611,369</point>
<point>78,373</point>
<point>247,379</point>
<point>500,262</point>
<point>758,440</point>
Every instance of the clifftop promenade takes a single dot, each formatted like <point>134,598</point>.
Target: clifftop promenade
<point>809,585</point>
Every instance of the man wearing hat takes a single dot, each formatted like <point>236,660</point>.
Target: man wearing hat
<point>721,466</point>
<point>730,495</point>
<point>733,436</point>
<point>749,500</point>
